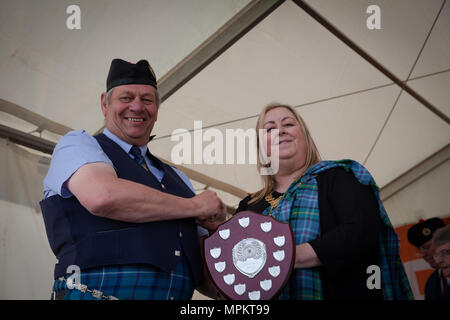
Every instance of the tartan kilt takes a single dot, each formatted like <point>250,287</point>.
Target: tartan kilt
<point>134,282</point>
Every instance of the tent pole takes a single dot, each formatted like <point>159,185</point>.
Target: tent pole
<point>26,139</point>
<point>244,21</point>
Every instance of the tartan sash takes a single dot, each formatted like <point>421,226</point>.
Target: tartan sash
<point>300,207</point>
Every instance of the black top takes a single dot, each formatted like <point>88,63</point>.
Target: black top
<point>349,225</point>
<point>259,206</point>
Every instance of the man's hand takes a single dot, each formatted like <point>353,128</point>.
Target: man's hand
<point>210,224</point>
<point>209,206</point>
<point>212,211</point>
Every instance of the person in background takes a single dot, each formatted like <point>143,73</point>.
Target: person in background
<point>339,223</point>
<point>441,245</point>
<point>420,235</point>
<point>125,219</point>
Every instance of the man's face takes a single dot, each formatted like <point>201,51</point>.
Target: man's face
<point>131,113</point>
<point>442,257</point>
<point>427,251</point>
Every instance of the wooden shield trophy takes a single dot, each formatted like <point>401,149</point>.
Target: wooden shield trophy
<point>250,256</point>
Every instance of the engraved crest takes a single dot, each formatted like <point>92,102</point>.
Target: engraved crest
<point>249,256</point>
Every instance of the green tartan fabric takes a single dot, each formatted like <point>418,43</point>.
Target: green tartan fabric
<point>300,207</point>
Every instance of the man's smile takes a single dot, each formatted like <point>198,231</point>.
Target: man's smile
<point>135,119</point>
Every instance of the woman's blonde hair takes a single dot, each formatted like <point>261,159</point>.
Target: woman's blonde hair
<point>312,156</point>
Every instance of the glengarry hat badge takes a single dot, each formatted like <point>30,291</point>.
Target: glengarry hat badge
<point>250,257</point>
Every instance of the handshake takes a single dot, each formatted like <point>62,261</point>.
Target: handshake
<point>211,211</point>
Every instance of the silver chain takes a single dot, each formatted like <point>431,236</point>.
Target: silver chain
<point>84,288</point>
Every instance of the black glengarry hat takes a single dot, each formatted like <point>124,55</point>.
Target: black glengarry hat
<point>422,232</point>
<point>122,72</point>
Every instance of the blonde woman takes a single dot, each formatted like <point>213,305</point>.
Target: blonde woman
<point>340,227</point>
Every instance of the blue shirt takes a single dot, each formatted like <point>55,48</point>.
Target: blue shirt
<point>78,148</point>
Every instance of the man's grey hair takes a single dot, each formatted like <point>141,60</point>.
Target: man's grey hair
<point>108,96</point>
<point>441,236</point>
<point>109,93</point>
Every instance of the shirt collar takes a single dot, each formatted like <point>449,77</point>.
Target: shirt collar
<point>124,145</point>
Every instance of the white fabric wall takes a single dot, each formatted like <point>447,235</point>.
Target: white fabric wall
<point>26,260</point>
<point>425,198</point>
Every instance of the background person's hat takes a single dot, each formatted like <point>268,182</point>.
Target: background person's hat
<point>422,232</point>
<point>122,72</point>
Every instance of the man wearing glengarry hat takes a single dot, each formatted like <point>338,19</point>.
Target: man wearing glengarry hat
<point>421,235</point>
<point>125,219</point>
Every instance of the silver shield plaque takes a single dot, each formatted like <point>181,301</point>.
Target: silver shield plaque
<point>250,256</point>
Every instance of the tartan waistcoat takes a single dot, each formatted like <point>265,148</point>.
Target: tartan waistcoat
<point>77,237</point>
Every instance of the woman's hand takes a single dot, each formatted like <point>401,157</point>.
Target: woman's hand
<point>305,257</point>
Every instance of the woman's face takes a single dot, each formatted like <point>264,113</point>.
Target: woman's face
<point>290,138</point>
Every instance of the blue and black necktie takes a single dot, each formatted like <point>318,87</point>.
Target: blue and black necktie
<point>136,153</point>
